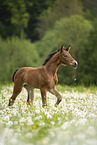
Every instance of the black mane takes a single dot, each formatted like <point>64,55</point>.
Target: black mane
<point>49,57</point>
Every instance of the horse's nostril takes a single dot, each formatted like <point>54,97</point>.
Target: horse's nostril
<point>75,64</point>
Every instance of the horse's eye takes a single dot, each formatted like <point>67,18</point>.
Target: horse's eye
<point>65,55</point>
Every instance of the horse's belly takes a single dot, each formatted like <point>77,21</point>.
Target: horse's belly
<point>33,82</point>
<point>32,79</point>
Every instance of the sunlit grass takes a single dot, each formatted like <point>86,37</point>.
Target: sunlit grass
<point>72,122</point>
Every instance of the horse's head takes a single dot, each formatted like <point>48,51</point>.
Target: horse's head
<point>66,58</point>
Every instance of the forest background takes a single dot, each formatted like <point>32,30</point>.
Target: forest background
<point>31,29</point>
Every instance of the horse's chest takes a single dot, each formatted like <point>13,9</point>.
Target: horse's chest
<point>51,82</point>
<point>47,80</point>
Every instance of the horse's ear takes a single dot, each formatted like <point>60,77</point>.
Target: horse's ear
<point>68,48</point>
<point>62,48</point>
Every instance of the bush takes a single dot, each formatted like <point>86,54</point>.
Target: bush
<point>15,53</point>
<point>89,56</point>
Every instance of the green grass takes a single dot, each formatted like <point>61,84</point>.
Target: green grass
<point>74,121</point>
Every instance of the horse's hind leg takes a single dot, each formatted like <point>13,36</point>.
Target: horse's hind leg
<point>17,89</point>
<point>30,91</point>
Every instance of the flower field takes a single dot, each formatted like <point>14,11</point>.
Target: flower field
<point>73,122</point>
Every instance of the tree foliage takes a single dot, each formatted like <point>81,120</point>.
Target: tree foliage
<point>60,9</point>
<point>89,57</point>
<point>52,23</point>
<point>19,14</point>
<point>90,6</point>
<point>20,17</point>
<point>15,53</point>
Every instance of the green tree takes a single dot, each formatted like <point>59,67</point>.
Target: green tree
<point>20,17</point>
<point>60,9</point>
<point>89,55</point>
<point>6,28</point>
<point>90,6</point>
<point>19,14</point>
<point>16,53</point>
<point>37,8</point>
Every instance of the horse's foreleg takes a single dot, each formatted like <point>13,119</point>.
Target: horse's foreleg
<point>56,93</point>
<point>30,91</point>
<point>43,95</point>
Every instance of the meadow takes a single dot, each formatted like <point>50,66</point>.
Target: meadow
<point>73,122</point>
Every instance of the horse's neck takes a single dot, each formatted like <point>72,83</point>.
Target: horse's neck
<point>53,64</point>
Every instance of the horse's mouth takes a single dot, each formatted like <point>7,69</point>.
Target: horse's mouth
<point>75,67</point>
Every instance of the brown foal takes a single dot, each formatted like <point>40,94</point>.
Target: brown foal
<point>43,77</point>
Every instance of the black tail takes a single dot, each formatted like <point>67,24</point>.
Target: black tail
<point>14,73</point>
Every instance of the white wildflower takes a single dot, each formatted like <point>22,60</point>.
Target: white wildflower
<point>29,122</point>
<point>6,118</point>
<point>15,122</point>
<point>52,122</point>
<point>65,125</point>
<point>49,116</point>
<point>41,124</point>
<point>37,111</point>
<point>22,119</point>
<point>9,123</point>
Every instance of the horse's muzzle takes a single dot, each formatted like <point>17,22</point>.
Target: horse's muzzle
<point>74,64</point>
